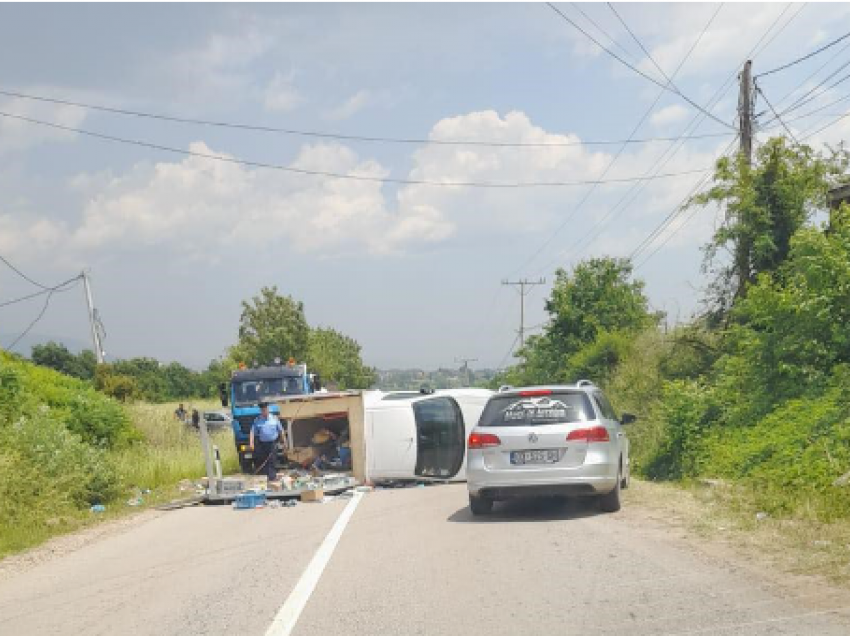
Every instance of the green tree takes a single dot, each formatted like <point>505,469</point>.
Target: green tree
<point>117,385</point>
<point>337,359</point>
<point>598,301</point>
<point>271,326</point>
<point>148,376</point>
<point>790,332</point>
<point>56,356</point>
<point>766,204</point>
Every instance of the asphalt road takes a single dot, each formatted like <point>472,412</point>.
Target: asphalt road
<point>410,561</point>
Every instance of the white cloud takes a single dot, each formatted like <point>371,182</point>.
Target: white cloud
<point>200,208</point>
<point>281,95</point>
<point>669,115</point>
<point>17,135</point>
<point>351,106</point>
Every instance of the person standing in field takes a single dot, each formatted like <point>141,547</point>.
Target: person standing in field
<point>265,432</point>
<point>180,413</point>
<point>196,418</point>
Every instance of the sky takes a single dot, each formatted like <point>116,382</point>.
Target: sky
<point>400,259</point>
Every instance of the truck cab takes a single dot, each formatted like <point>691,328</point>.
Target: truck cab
<point>248,387</point>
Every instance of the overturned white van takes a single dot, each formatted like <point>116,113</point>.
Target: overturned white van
<point>393,436</point>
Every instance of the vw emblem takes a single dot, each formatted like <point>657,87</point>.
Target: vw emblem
<point>532,437</point>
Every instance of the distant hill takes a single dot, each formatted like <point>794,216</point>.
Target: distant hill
<point>24,347</point>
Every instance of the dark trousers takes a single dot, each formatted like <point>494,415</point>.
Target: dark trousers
<point>266,452</point>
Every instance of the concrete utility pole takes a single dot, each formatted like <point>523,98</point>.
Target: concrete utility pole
<point>523,284</point>
<point>465,362</point>
<point>95,336</point>
<point>745,111</point>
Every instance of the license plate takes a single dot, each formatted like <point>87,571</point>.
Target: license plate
<point>535,457</point>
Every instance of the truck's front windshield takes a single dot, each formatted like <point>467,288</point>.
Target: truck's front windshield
<point>253,391</point>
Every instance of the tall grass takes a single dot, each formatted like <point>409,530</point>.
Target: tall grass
<point>39,499</point>
<point>171,450</point>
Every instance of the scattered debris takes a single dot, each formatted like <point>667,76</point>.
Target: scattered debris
<point>761,516</point>
<point>313,495</point>
<point>820,543</point>
<point>98,508</point>
<point>135,501</point>
<point>249,500</point>
<point>364,489</point>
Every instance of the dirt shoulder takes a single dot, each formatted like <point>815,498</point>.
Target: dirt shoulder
<point>800,555</point>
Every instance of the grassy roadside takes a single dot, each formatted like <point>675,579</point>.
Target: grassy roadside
<point>727,513</point>
<point>167,453</point>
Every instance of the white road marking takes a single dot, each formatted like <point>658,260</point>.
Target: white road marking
<point>288,614</point>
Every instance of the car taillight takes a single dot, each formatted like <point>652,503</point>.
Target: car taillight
<point>483,440</point>
<point>594,434</point>
<point>535,392</point>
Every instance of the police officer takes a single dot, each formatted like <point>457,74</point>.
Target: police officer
<point>266,431</point>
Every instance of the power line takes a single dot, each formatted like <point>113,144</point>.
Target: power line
<point>805,57</point>
<point>577,7</point>
<point>782,28</point>
<point>773,110</point>
<point>813,74</point>
<point>807,134</point>
<point>649,239</point>
<point>637,127</point>
<point>508,353</point>
<point>644,49</point>
<point>670,218</point>
<point>330,135</point>
<point>592,235</point>
<point>34,322</point>
<point>814,92</point>
<point>58,288</point>
<point>21,274</point>
<point>813,112</point>
<point>335,175</point>
<point>673,90</point>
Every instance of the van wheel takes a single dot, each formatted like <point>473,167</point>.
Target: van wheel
<point>610,502</point>
<point>480,505</point>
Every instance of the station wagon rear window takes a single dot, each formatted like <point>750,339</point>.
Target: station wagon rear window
<point>517,410</point>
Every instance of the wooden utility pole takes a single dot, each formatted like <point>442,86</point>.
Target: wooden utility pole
<point>745,111</point>
<point>745,130</point>
<point>523,284</point>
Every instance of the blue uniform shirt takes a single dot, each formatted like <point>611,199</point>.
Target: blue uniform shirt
<point>268,429</point>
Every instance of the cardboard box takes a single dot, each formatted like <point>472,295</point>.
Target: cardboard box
<point>301,454</point>
<point>313,495</point>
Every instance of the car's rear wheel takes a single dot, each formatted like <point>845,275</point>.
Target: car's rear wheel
<point>610,502</point>
<point>480,505</point>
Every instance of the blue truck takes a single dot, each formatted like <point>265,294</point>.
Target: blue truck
<point>248,387</point>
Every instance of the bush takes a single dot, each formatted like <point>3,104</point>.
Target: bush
<point>688,410</point>
<point>792,457</point>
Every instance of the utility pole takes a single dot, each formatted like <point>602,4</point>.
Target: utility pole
<point>95,336</point>
<point>745,111</point>
<point>743,247</point>
<point>523,284</point>
<point>466,362</point>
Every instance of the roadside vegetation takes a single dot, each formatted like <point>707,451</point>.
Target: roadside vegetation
<point>753,392</point>
<point>74,434</point>
<point>65,447</point>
